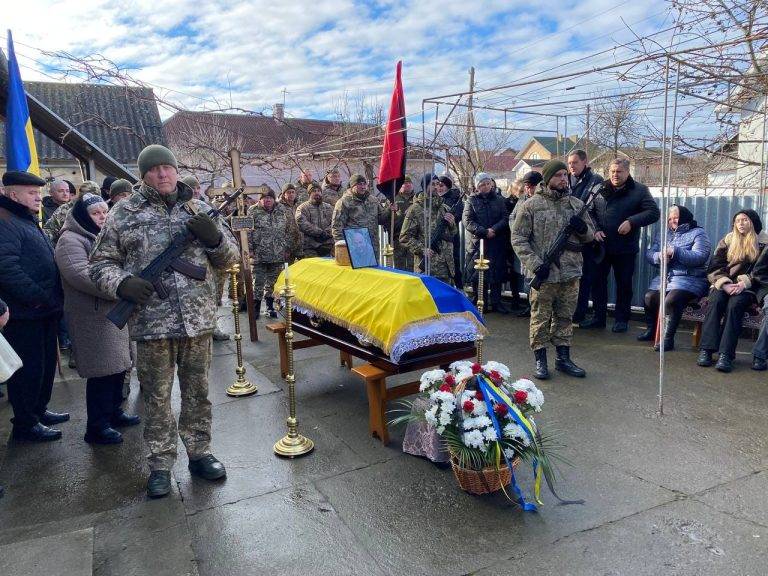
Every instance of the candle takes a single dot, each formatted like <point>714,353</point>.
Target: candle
<point>287,276</point>
<point>482,248</point>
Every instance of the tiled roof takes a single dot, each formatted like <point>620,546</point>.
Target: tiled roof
<point>260,135</point>
<point>119,119</point>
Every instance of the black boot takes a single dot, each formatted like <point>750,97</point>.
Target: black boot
<point>271,307</point>
<point>724,363</point>
<point>650,330</point>
<point>542,370</point>
<point>257,308</point>
<point>705,358</point>
<point>669,344</point>
<point>594,322</point>
<point>563,362</point>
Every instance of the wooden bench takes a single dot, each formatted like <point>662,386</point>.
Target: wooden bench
<point>278,328</point>
<point>377,368</point>
<point>375,379</point>
<point>696,312</point>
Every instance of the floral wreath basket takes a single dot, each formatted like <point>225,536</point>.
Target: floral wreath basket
<point>485,421</point>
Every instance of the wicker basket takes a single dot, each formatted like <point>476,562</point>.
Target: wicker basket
<point>341,253</point>
<point>484,481</point>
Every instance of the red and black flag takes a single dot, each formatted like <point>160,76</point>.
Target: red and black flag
<point>392,167</point>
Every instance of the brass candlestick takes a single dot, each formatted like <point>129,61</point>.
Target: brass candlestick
<point>481,265</point>
<point>389,256</point>
<point>241,386</point>
<point>292,444</point>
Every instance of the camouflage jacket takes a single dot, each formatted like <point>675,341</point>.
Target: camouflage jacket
<point>274,237</point>
<point>412,233</point>
<point>331,194</point>
<point>402,202</point>
<point>296,235</point>
<point>137,230</point>
<point>314,221</point>
<point>302,194</point>
<point>537,223</point>
<point>354,212</point>
<point>55,223</point>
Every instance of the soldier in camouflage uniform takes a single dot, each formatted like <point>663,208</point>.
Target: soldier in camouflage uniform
<point>289,200</point>
<point>403,201</point>
<point>331,185</point>
<point>302,186</point>
<point>413,235</point>
<point>56,222</point>
<point>314,220</point>
<point>537,223</point>
<point>173,333</point>
<point>272,241</point>
<point>357,208</point>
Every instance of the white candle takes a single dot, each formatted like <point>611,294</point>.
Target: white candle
<point>287,276</point>
<point>482,248</point>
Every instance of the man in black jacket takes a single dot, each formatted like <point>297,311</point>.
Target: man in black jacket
<point>31,287</point>
<point>584,183</point>
<point>628,207</point>
<point>485,217</point>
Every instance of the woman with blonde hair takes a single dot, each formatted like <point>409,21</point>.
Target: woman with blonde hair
<point>733,288</point>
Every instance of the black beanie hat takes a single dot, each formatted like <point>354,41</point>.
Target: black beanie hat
<point>446,181</point>
<point>757,224</point>
<point>532,178</point>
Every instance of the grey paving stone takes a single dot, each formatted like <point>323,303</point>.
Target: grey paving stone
<point>68,554</point>
<point>292,532</point>
<point>743,498</point>
<point>677,539</point>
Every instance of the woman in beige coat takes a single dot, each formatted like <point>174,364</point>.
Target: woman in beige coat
<point>102,351</point>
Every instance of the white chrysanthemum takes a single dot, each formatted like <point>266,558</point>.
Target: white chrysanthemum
<point>431,416</point>
<point>440,429</point>
<point>490,434</point>
<point>446,397</point>
<point>474,439</point>
<point>461,369</point>
<point>445,418</point>
<point>483,421</point>
<point>498,367</point>
<point>480,408</point>
<point>509,453</point>
<point>514,430</point>
<point>535,399</point>
<point>431,378</point>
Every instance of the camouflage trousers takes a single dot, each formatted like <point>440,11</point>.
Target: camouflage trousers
<point>264,277</point>
<point>156,363</point>
<point>403,259</point>
<point>552,310</point>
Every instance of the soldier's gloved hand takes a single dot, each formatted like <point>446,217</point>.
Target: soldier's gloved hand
<point>577,225</point>
<point>135,289</point>
<point>205,230</point>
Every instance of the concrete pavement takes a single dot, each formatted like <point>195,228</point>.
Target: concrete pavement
<point>678,494</point>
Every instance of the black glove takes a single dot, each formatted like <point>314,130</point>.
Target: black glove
<point>205,230</point>
<point>577,225</point>
<point>135,289</point>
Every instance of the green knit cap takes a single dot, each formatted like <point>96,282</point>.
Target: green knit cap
<point>191,180</point>
<point>120,186</point>
<point>550,169</point>
<point>287,186</point>
<point>155,155</point>
<point>356,179</point>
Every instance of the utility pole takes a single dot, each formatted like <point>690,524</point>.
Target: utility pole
<point>586,136</point>
<point>471,131</point>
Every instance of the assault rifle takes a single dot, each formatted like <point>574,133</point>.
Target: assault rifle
<point>168,258</point>
<point>437,234</point>
<point>552,255</point>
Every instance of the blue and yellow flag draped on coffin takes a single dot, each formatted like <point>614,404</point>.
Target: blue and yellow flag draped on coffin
<point>384,305</point>
<point>20,149</point>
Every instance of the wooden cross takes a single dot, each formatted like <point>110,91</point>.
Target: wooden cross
<point>242,224</point>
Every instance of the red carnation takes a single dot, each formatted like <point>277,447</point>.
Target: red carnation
<point>479,395</point>
<point>445,388</point>
<point>476,368</point>
<point>501,410</point>
<point>521,396</point>
<point>468,406</point>
<point>495,376</point>
<point>450,380</point>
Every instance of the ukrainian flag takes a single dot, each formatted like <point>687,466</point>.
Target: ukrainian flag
<point>20,150</point>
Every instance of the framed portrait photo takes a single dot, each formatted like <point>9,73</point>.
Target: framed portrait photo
<point>360,247</point>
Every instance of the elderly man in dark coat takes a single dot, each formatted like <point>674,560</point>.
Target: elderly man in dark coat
<point>30,286</point>
<point>485,217</point>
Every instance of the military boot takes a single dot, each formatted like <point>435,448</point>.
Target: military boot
<point>271,307</point>
<point>563,362</point>
<point>542,370</point>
